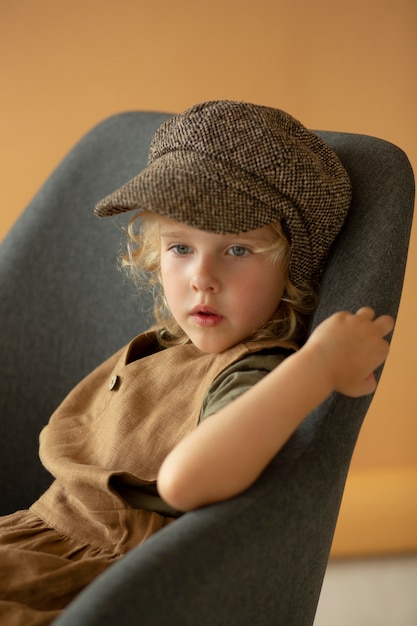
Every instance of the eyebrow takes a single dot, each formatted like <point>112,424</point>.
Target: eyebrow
<point>173,234</point>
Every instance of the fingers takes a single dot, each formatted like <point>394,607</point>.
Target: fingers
<point>366,312</point>
<point>359,343</point>
<point>384,323</point>
<point>352,346</point>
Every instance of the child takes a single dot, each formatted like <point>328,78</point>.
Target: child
<point>237,210</point>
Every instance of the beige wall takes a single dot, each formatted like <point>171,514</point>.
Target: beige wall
<point>349,66</point>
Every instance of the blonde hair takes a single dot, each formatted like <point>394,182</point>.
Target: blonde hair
<point>142,260</point>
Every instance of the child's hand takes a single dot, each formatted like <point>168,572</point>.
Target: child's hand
<point>350,347</point>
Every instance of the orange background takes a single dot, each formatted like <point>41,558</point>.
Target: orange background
<point>348,66</point>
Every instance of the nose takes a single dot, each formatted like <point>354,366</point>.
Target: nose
<point>205,276</point>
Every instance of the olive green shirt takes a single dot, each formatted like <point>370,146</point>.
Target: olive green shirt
<point>229,385</point>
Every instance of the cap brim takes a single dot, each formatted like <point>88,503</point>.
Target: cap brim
<point>195,190</point>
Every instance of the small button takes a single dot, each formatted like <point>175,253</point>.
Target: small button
<point>113,382</point>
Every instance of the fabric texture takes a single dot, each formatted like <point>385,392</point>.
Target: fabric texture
<point>111,432</point>
<point>230,167</point>
<point>238,378</point>
<point>42,570</point>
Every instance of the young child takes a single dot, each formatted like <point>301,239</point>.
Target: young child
<point>235,215</point>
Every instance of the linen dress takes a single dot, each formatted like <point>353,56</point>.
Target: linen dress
<point>104,446</point>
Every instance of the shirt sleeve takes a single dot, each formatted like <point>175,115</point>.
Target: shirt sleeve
<point>236,379</point>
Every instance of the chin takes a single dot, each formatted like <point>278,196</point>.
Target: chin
<point>213,347</point>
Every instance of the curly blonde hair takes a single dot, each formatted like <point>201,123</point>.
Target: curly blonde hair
<point>142,260</point>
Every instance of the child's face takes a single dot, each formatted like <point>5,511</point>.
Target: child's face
<point>219,288</point>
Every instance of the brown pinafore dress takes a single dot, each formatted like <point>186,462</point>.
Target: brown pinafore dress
<point>114,428</point>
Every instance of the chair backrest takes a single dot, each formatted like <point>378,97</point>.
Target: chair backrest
<point>65,306</point>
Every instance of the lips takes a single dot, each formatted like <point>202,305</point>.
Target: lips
<point>206,316</point>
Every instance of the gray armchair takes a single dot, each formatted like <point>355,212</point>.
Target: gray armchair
<point>260,558</point>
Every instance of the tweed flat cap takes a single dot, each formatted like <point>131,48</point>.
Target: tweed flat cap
<point>230,167</point>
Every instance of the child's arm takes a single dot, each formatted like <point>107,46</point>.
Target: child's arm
<point>228,451</point>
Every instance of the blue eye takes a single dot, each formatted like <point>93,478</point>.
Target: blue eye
<point>238,251</point>
<point>180,249</point>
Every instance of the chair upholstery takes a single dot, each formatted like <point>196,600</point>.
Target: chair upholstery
<point>259,558</point>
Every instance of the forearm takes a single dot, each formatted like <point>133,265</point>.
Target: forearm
<point>230,449</point>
